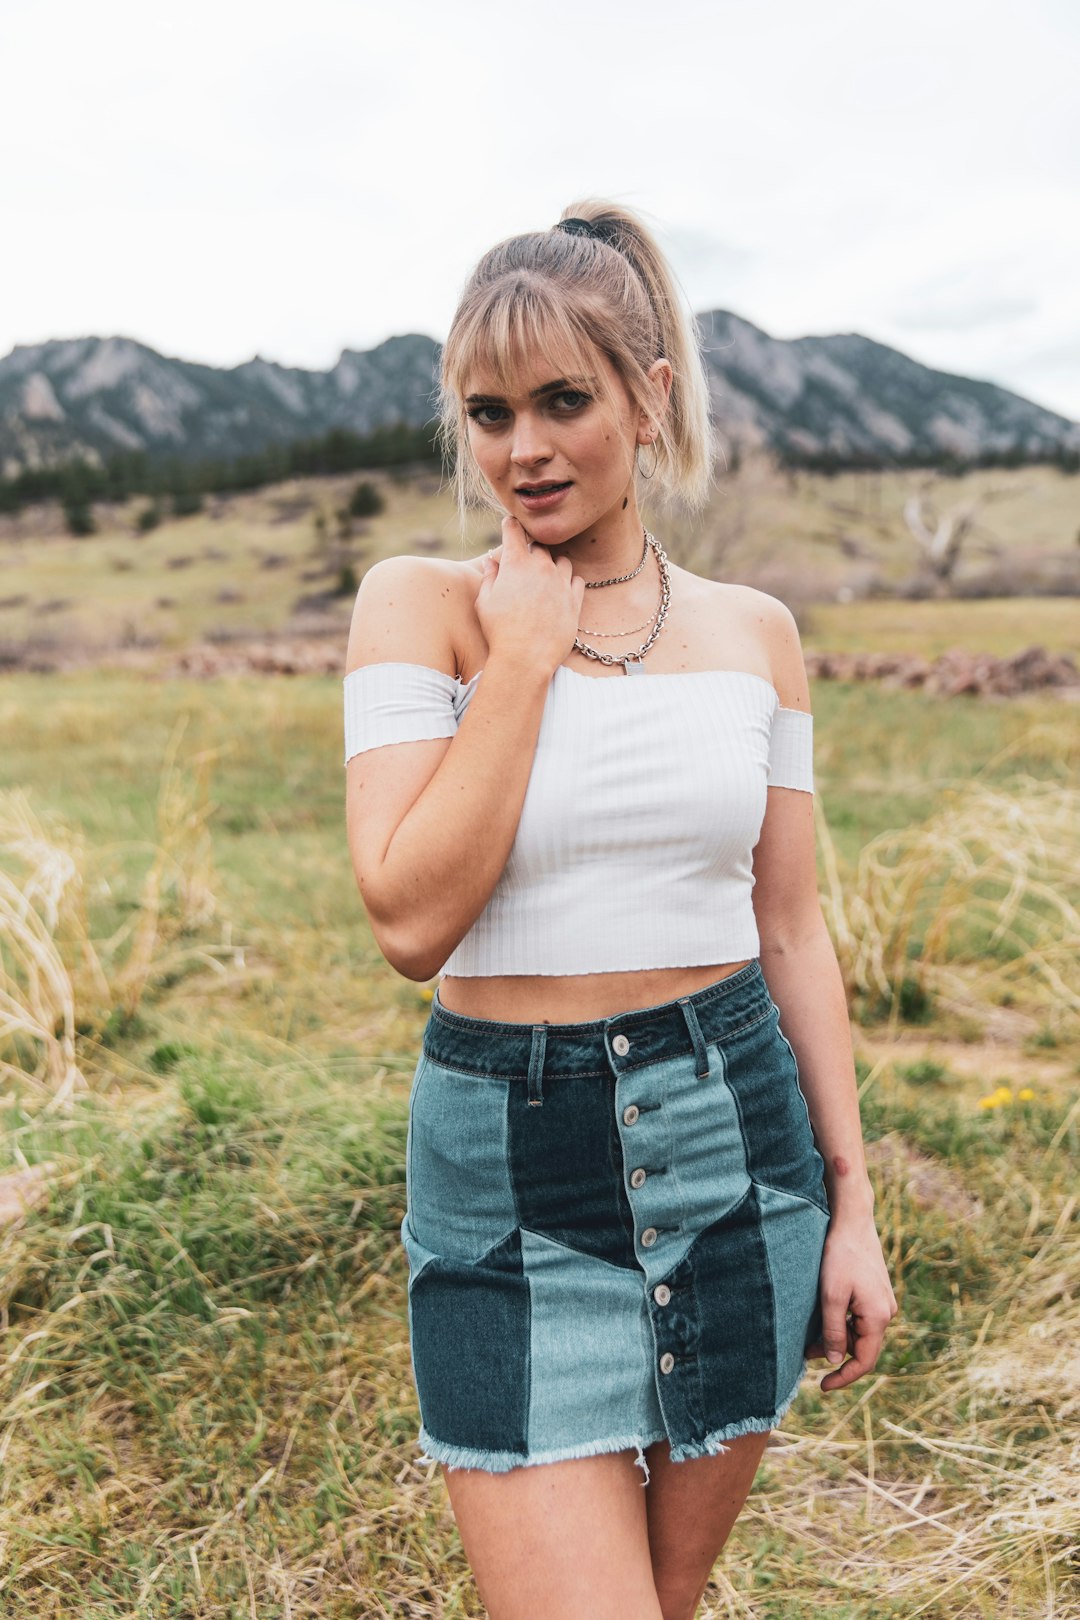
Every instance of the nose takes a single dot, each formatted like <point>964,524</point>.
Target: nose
<point>530,441</point>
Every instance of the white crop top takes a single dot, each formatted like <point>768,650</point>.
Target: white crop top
<point>645,801</point>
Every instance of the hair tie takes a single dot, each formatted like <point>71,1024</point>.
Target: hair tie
<point>598,230</point>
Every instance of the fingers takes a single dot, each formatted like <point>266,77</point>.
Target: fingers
<point>834,1327</point>
<point>858,1334</point>
<point>514,536</point>
<point>865,1349</point>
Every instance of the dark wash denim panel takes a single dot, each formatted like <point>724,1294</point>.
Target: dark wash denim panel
<point>579,1283</point>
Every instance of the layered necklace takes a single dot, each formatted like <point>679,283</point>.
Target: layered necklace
<point>633,662</point>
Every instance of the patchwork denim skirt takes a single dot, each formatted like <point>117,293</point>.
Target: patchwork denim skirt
<point>614,1230</point>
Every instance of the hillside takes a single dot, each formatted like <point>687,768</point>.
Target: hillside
<point>843,395</point>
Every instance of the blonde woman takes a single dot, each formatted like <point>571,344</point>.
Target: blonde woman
<point>579,790</point>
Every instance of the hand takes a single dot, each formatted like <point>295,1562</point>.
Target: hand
<point>529,602</point>
<point>854,1283</point>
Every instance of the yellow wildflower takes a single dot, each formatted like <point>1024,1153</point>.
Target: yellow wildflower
<point>427,993</point>
<point>1026,1095</point>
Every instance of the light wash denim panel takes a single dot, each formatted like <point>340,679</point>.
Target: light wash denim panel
<point>614,1230</point>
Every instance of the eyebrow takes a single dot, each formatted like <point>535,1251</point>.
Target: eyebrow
<point>534,393</point>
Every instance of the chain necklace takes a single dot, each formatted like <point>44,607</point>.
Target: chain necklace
<point>595,584</point>
<point>607,634</point>
<point>632,662</point>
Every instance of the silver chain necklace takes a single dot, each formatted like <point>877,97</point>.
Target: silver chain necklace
<point>595,584</point>
<point>608,635</point>
<point>632,662</point>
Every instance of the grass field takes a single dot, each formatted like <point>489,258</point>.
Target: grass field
<point>246,563</point>
<point>206,1407</point>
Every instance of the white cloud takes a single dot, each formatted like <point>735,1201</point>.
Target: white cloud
<point>221,179</point>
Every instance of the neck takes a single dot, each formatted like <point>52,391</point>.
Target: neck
<point>609,547</point>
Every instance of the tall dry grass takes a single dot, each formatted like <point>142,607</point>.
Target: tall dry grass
<point>41,897</point>
<point>57,981</point>
<point>974,904</point>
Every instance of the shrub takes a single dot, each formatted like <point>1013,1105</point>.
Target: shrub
<point>365,501</point>
<point>79,517</point>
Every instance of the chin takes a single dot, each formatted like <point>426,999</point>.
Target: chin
<point>549,531</point>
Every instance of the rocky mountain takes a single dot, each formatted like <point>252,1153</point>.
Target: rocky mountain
<point>848,394</point>
<point>88,397</point>
<point>92,396</point>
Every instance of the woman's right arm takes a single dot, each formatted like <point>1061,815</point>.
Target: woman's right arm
<point>431,823</point>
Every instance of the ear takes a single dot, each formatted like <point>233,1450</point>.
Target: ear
<point>660,377</point>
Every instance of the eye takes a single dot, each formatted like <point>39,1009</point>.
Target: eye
<point>476,412</point>
<point>576,398</point>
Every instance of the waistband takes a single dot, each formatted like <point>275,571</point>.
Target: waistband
<point>604,1046</point>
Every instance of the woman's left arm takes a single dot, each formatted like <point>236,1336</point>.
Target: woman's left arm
<point>804,979</point>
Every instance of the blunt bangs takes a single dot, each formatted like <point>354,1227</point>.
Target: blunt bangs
<point>504,338</point>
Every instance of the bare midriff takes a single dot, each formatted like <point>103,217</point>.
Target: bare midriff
<point>575,998</point>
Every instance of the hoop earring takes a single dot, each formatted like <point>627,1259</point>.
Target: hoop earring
<point>637,462</point>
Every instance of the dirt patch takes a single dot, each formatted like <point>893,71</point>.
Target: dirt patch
<point>927,1181</point>
<point>987,1061</point>
<point>20,1190</point>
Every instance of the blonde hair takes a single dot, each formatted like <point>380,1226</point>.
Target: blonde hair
<point>568,296</point>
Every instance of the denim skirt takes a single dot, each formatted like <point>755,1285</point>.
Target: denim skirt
<point>613,1229</point>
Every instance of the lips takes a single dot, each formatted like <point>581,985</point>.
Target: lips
<point>541,497</point>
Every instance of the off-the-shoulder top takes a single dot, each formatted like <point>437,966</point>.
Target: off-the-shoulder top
<point>645,801</point>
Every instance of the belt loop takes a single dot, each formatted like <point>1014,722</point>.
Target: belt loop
<point>536,1066</point>
<point>692,1024</point>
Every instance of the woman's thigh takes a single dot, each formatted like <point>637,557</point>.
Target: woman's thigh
<point>561,1539</point>
<point>691,1508</point>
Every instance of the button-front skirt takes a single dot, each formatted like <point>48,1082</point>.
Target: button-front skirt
<point>614,1230</point>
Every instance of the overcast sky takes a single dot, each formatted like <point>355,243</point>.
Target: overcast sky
<point>230,178</point>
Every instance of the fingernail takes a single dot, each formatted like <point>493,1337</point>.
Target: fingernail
<point>835,1355</point>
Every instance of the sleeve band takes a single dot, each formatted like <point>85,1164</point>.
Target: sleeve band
<point>397,702</point>
<point>791,750</point>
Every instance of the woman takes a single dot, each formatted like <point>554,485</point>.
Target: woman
<point>637,1197</point>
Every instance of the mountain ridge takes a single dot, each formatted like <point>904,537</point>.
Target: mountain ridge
<point>842,394</point>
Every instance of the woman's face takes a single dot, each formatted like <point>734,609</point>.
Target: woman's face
<point>554,431</point>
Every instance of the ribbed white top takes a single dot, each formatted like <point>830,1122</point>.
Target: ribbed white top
<point>646,798</point>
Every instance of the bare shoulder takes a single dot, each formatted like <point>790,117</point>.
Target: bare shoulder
<point>409,609</point>
<point>754,617</point>
<point>780,633</point>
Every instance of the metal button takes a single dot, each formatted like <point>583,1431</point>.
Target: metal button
<point>661,1293</point>
<point>648,1237</point>
<point>621,1045</point>
<point>631,1114</point>
<point>667,1361</point>
<point>637,1178</point>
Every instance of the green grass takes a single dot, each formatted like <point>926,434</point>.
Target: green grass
<point>240,565</point>
<point>207,1407</point>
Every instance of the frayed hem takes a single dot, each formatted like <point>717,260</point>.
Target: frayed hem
<point>501,1462</point>
<point>713,1446</point>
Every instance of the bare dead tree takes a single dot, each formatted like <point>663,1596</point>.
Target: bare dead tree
<point>939,538</point>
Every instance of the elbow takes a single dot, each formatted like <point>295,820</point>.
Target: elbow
<point>791,932</point>
<point>405,940</point>
<point>414,958</point>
